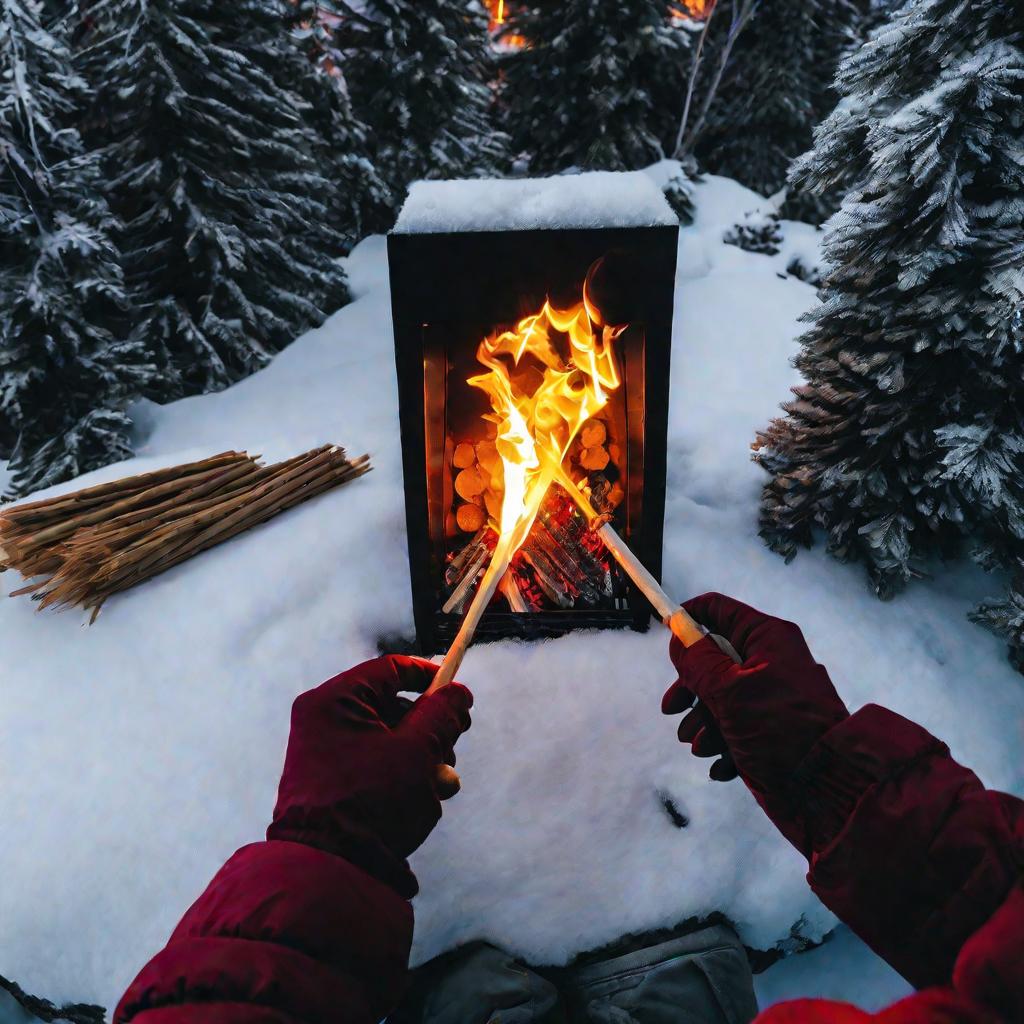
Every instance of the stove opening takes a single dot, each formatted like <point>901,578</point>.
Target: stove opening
<point>523,355</point>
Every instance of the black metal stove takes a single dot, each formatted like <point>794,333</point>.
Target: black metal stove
<point>448,291</point>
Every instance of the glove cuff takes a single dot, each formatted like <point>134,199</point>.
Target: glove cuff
<point>352,843</point>
<point>869,747</point>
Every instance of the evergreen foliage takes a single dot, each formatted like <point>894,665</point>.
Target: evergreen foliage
<point>777,89</point>
<point>759,232</point>
<point>908,432</point>
<point>359,201</point>
<point>216,168</point>
<point>66,371</point>
<point>678,190</point>
<point>420,75</point>
<point>597,85</point>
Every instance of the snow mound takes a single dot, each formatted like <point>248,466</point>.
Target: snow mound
<point>596,199</point>
<point>138,754</point>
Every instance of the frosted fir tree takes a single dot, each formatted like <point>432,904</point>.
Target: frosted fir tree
<point>360,201</point>
<point>908,431</point>
<point>313,23</point>
<point>216,168</point>
<point>65,371</point>
<point>419,74</point>
<point>776,90</point>
<point>596,85</point>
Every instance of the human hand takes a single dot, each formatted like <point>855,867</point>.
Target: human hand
<point>767,711</point>
<point>366,769</point>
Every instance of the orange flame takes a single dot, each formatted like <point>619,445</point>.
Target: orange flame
<point>574,359</point>
<point>688,10</point>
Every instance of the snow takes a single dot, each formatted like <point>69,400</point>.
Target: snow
<point>843,969</point>
<point>11,1012</point>
<point>664,171</point>
<point>139,753</point>
<point>596,199</point>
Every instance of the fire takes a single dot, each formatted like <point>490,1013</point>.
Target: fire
<point>545,380</point>
<point>689,10</point>
<point>496,9</point>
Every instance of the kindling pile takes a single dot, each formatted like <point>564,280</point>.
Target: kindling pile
<point>96,542</point>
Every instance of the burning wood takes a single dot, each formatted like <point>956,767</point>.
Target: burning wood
<point>472,570</point>
<point>548,382</point>
<point>99,541</point>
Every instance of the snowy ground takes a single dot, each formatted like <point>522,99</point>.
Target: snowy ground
<point>139,753</point>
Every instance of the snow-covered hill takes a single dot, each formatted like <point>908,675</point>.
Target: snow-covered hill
<point>137,754</point>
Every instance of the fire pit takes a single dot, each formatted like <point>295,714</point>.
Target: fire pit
<point>532,296</point>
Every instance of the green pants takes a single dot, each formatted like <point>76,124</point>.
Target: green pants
<point>698,978</point>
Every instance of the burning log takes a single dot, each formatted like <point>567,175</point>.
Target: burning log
<point>470,483</point>
<point>567,564</point>
<point>509,586</point>
<point>548,578</point>
<point>595,458</point>
<point>572,536</point>
<point>465,456</point>
<point>456,603</point>
<point>546,399</point>
<point>593,434</point>
<point>100,541</point>
<point>470,518</point>
<point>458,564</point>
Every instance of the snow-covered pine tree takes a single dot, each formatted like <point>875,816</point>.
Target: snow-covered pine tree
<point>597,85</point>
<point>65,372</point>
<point>313,23</point>
<point>214,166</point>
<point>359,201</point>
<point>908,431</point>
<point>777,88</point>
<point>420,74</point>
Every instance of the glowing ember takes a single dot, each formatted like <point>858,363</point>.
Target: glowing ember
<point>545,380</point>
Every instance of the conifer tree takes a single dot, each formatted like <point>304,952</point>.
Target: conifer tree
<point>359,201</point>
<point>597,85</point>
<point>215,167</point>
<point>419,74</point>
<point>908,432</point>
<point>65,371</point>
<point>777,89</point>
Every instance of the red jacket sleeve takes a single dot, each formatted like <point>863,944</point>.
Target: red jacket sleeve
<point>284,934</point>
<point>911,851</point>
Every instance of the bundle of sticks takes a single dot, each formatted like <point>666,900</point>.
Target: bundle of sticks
<point>97,542</point>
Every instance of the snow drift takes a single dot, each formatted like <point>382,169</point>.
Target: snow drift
<point>139,753</point>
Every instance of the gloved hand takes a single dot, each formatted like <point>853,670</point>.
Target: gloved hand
<point>364,773</point>
<point>766,712</point>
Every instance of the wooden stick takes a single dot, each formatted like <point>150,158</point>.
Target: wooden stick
<point>481,599</point>
<point>101,492</point>
<point>68,526</point>
<point>673,615</point>
<point>127,531</point>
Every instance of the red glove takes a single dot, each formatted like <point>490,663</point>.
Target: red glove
<point>766,712</point>
<point>361,777</point>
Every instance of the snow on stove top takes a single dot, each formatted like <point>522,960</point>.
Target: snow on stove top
<point>597,199</point>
